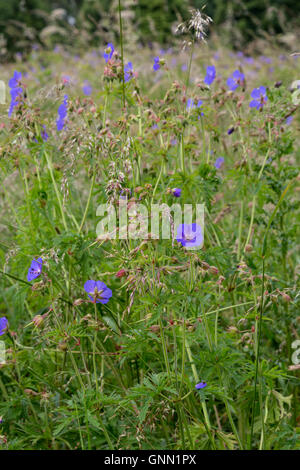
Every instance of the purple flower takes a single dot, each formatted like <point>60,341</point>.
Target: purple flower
<point>87,89</point>
<point>176,192</point>
<point>156,65</point>
<point>289,120</point>
<point>107,54</point>
<point>190,104</point>
<point>15,80</point>
<point>15,90</point>
<point>199,105</point>
<point>3,325</point>
<point>189,235</point>
<point>236,79</point>
<point>35,269</point>
<point>44,134</point>
<point>210,74</point>
<point>62,114</point>
<point>260,97</point>
<point>128,72</point>
<point>219,162</point>
<point>230,130</point>
<point>200,385</point>
<point>98,291</point>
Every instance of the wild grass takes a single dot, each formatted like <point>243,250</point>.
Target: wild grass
<point>122,375</point>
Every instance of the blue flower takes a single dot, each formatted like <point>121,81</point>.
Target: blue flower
<point>210,74</point>
<point>44,134</point>
<point>219,162</point>
<point>87,89</point>
<point>236,79</point>
<point>176,192</point>
<point>107,54</point>
<point>199,105</point>
<point>200,385</point>
<point>190,104</point>
<point>98,291</point>
<point>62,114</point>
<point>128,72</point>
<point>289,120</point>
<point>189,235</point>
<point>3,325</point>
<point>35,269</point>
<point>260,97</point>
<point>15,90</point>
<point>230,130</point>
<point>156,65</point>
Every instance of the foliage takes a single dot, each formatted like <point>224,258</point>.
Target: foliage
<point>122,374</point>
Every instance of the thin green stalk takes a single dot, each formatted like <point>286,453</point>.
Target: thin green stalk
<point>88,202</point>
<point>50,167</point>
<point>122,51</point>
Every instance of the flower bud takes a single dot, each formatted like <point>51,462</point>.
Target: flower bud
<point>38,320</point>
<point>121,273</point>
<point>78,302</point>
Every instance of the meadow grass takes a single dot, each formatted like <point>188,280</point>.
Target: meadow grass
<point>81,374</point>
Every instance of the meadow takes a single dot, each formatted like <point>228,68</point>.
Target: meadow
<point>144,343</point>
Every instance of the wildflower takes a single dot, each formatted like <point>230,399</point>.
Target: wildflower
<point>219,162</point>
<point>176,192</point>
<point>230,130</point>
<point>260,97</point>
<point>15,90</point>
<point>156,65</point>
<point>200,385</point>
<point>289,120</point>
<point>128,72</point>
<point>210,74</point>
<point>189,235</point>
<point>108,53</point>
<point>236,79</point>
<point>190,104</point>
<point>87,89</point>
<point>199,105</point>
<point>62,114</point>
<point>35,269</point>
<point>44,134</point>
<point>98,291</point>
<point>3,325</point>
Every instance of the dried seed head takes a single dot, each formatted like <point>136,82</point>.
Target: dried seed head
<point>196,25</point>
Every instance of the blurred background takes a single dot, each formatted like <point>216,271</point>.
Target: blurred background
<point>25,24</point>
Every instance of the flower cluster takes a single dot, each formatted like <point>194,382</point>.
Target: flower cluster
<point>3,325</point>
<point>62,114</point>
<point>15,90</point>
